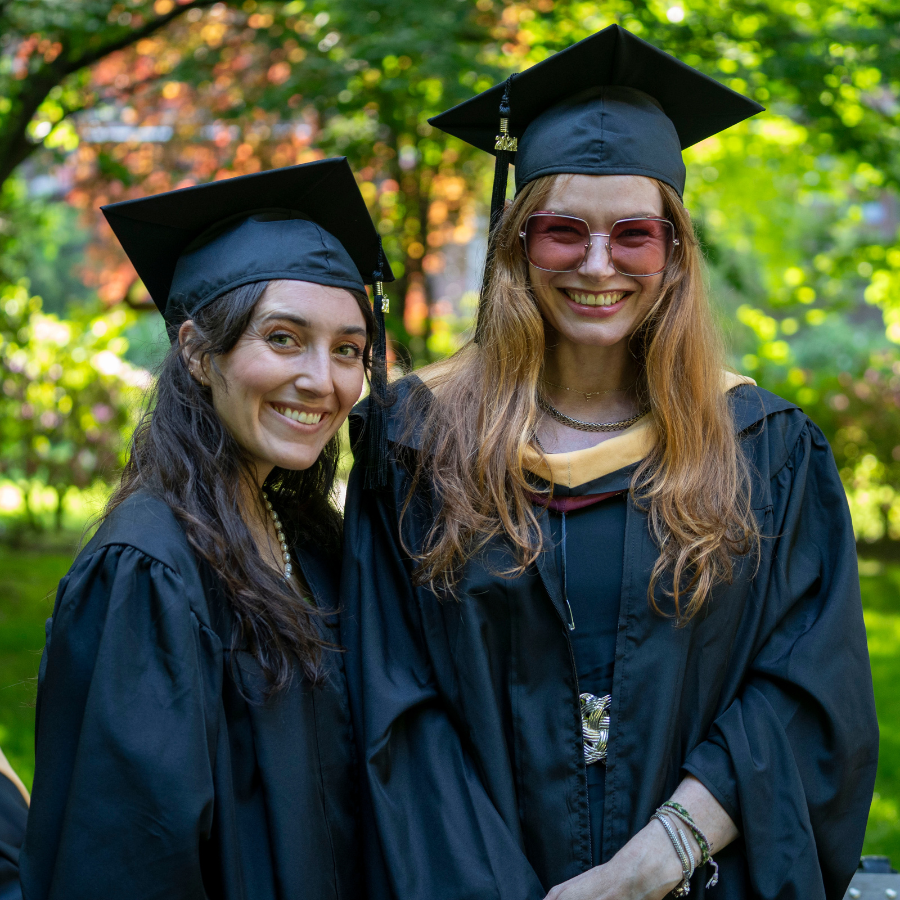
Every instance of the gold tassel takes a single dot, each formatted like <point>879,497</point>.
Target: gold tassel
<point>504,140</point>
<point>385,300</point>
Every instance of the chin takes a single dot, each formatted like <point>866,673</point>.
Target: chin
<point>296,461</point>
<point>298,464</point>
<point>595,336</point>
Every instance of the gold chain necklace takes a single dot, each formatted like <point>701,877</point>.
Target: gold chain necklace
<point>588,394</point>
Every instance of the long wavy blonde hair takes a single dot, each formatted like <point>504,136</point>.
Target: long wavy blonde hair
<point>481,414</point>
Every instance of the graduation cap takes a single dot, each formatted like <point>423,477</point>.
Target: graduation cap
<point>301,223</point>
<point>611,104</point>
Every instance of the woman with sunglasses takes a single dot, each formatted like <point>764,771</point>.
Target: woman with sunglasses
<point>603,618</point>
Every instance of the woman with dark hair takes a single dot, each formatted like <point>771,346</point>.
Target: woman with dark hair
<point>603,616</point>
<point>193,738</point>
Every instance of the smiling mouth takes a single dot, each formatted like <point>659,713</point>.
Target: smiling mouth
<point>607,298</point>
<point>304,418</point>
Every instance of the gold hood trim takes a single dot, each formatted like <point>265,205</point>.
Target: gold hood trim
<point>631,446</point>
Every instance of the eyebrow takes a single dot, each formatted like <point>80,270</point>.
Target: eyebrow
<point>633,215</point>
<point>300,322</point>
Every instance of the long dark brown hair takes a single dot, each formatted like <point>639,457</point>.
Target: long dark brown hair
<point>182,453</point>
<point>482,417</point>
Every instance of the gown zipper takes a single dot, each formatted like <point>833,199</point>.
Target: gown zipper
<point>571,623</point>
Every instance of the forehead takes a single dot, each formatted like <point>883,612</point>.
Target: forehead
<point>605,198</point>
<point>317,303</point>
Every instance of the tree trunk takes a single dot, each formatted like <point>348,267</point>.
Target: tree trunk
<point>60,510</point>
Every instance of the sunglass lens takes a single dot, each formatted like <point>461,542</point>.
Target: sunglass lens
<point>557,243</point>
<point>641,246</point>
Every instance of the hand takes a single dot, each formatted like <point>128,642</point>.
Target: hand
<point>646,868</point>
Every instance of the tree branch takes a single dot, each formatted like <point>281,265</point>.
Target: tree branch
<point>132,37</point>
<point>17,145</point>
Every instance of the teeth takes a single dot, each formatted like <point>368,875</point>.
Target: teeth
<point>302,417</point>
<point>607,299</point>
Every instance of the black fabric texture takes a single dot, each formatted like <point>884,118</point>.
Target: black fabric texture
<point>13,815</point>
<point>610,104</point>
<point>161,771</point>
<point>304,223</point>
<point>467,712</point>
<point>594,549</point>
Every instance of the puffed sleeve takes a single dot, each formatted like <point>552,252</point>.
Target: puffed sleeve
<point>123,791</point>
<point>793,756</point>
<point>432,831</point>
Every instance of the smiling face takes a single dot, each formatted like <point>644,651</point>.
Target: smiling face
<point>292,378</point>
<point>595,304</point>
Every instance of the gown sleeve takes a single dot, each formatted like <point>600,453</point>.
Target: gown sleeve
<point>792,758</point>
<point>123,792</point>
<point>13,814</point>
<point>439,835</point>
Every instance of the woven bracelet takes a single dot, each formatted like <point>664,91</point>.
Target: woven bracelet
<point>679,812</point>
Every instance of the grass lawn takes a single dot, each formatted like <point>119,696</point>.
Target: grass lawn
<point>28,582</point>
<point>881,603</point>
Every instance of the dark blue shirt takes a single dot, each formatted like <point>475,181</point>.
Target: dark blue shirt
<point>592,560</point>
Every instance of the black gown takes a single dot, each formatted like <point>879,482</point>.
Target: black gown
<point>160,772</point>
<point>467,711</point>
<point>13,815</point>
<point>590,545</point>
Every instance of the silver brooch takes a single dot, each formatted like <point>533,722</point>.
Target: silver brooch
<point>595,726</point>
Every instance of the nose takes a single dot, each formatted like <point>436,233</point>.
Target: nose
<point>314,375</point>
<point>598,264</point>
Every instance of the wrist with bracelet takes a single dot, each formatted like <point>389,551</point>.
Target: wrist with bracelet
<point>671,816</point>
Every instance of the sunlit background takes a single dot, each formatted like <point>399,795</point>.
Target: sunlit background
<point>798,211</point>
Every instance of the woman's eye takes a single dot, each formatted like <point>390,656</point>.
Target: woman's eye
<point>280,339</point>
<point>350,351</point>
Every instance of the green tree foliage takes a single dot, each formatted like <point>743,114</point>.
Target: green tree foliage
<point>797,209</point>
<point>46,50</point>
<point>66,396</point>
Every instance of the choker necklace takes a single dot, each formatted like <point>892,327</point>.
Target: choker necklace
<point>588,394</point>
<point>569,422</point>
<point>285,552</point>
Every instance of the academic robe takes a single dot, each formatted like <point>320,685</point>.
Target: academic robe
<point>13,815</point>
<point>467,710</point>
<point>161,770</point>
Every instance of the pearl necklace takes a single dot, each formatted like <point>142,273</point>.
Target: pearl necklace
<point>285,552</point>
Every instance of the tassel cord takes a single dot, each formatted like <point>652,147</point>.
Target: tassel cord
<point>505,148</point>
<point>376,448</point>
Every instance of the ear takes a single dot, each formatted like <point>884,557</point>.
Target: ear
<point>187,334</point>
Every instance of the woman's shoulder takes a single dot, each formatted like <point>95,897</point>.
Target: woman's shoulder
<point>772,429</point>
<point>751,404</point>
<point>139,558</point>
<point>146,525</point>
<point>407,403</point>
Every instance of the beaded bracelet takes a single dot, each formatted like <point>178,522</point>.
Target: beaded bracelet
<point>679,812</point>
<point>683,849</point>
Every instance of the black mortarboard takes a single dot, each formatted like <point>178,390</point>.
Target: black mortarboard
<point>305,223</point>
<point>301,223</point>
<point>611,104</point>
